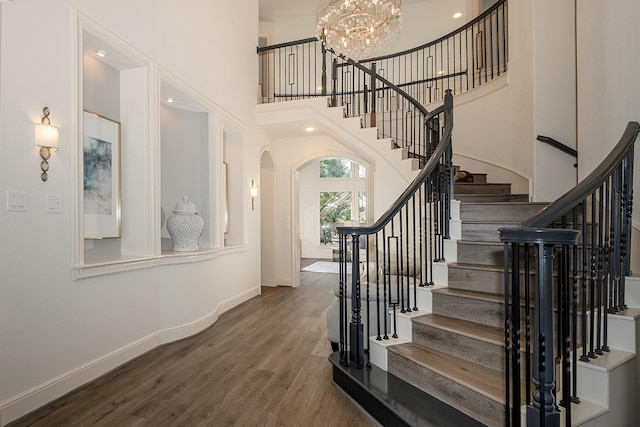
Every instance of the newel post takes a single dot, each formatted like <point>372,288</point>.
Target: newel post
<point>542,410</point>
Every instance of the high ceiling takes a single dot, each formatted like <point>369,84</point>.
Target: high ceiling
<point>271,10</point>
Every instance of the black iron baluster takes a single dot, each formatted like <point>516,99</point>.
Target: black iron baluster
<point>334,82</point>
<point>600,277</point>
<point>385,269</point>
<point>574,385</point>
<point>507,346</point>
<point>515,325</point>
<point>606,250</point>
<point>377,245</point>
<point>343,276</point>
<point>584,357</point>
<point>527,321</point>
<point>356,331</point>
<point>400,265</point>
<point>415,260</point>
<point>592,280</point>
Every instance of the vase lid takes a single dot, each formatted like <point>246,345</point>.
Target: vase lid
<point>185,206</point>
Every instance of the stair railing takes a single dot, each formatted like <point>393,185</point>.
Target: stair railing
<point>469,57</point>
<point>396,255</point>
<point>588,231</point>
<point>559,146</point>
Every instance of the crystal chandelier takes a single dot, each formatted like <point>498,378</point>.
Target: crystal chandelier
<point>357,28</point>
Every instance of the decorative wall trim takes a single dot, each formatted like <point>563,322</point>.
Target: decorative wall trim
<point>32,399</point>
<point>122,265</point>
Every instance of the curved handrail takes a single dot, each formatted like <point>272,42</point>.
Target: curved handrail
<point>434,42</point>
<point>286,44</point>
<point>590,279</point>
<point>574,196</point>
<point>386,82</point>
<point>427,170</point>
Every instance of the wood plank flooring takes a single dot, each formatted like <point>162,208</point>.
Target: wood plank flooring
<point>263,363</point>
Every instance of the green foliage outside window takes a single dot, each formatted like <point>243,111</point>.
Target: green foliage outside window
<point>335,208</point>
<point>335,168</point>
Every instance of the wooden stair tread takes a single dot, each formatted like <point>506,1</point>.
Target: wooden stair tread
<point>502,204</point>
<point>478,378</point>
<point>471,266</point>
<point>481,242</point>
<point>482,296</point>
<point>466,328</point>
<point>466,198</point>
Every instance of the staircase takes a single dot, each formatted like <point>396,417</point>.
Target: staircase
<point>456,353</point>
<point>453,349</point>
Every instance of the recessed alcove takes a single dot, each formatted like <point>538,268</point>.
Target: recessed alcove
<point>114,87</point>
<point>173,141</point>
<point>188,139</point>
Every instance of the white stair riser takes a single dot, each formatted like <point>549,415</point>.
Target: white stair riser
<point>632,291</point>
<point>378,350</point>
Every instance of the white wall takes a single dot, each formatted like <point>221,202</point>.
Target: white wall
<point>498,128</point>
<point>554,98</point>
<point>56,333</point>
<point>608,84</point>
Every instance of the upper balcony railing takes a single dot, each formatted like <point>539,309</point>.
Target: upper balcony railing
<point>469,57</point>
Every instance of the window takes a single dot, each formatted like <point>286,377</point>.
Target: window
<point>335,209</point>
<point>341,168</point>
<point>342,197</point>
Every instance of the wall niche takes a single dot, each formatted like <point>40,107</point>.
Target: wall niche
<point>170,142</point>
<point>188,130</point>
<point>114,91</point>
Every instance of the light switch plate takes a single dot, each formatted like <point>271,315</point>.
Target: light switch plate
<point>17,201</point>
<point>54,204</point>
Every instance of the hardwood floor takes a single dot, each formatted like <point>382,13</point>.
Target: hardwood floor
<point>263,363</point>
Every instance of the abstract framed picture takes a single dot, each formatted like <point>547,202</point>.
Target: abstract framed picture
<point>101,177</point>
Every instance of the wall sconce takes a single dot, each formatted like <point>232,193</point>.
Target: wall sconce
<point>254,194</point>
<point>46,138</point>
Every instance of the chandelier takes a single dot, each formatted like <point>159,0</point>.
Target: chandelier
<point>357,28</point>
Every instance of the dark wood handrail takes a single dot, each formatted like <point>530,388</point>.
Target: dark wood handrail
<point>558,145</point>
<point>397,54</point>
<point>432,43</point>
<point>400,91</point>
<point>286,44</point>
<point>427,170</point>
<point>576,195</point>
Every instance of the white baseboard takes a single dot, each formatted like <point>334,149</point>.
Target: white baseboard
<point>32,399</point>
<point>285,281</point>
<point>228,304</point>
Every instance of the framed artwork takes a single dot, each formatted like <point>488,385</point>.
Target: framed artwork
<point>101,177</point>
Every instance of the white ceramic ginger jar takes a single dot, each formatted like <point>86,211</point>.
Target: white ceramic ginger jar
<point>185,226</point>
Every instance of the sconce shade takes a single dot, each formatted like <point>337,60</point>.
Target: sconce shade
<point>254,192</point>
<point>46,136</point>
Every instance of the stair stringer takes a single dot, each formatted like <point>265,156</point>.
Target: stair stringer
<point>348,131</point>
